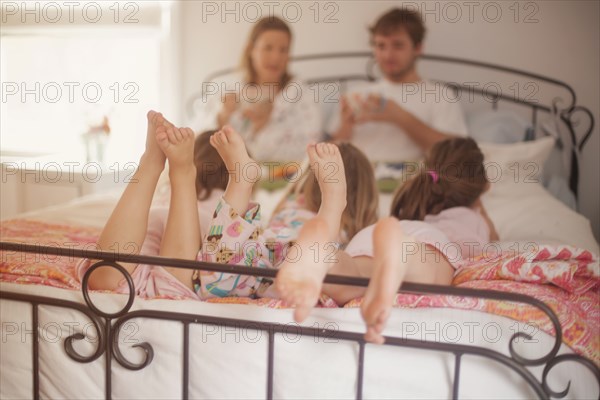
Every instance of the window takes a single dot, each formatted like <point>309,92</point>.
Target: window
<point>59,80</point>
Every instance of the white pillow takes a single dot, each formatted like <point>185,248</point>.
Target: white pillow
<point>497,126</point>
<point>517,162</point>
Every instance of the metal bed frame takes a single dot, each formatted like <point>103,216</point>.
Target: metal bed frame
<point>108,325</point>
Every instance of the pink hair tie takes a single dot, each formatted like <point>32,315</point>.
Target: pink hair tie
<point>434,175</point>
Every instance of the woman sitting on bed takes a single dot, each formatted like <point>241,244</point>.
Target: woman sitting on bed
<point>277,117</point>
<point>437,220</point>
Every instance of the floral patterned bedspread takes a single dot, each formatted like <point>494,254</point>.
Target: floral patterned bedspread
<point>567,279</point>
<point>43,269</point>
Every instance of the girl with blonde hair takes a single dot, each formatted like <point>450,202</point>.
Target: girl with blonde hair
<point>437,220</point>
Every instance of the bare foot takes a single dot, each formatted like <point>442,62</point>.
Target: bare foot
<point>232,149</point>
<point>388,271</point>
<point>327,165</point>
<point>299,283</point>
<point>244,172</point>
<point>165,122</point>
<point>178,146</point>
<point>153,154</point>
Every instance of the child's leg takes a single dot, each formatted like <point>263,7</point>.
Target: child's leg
<point>299,283</point>
<point>181,238</point>
<point>243,170</point>
<point>392,264</point>
<point>126,228</point>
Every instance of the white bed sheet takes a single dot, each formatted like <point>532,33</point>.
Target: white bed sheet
<point>522,213</point>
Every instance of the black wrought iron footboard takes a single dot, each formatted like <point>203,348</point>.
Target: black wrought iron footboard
<point>108,325</point>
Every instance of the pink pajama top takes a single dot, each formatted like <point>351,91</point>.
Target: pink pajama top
<point>458,233</point>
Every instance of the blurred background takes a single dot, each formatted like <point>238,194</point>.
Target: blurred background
<point>69,68</point>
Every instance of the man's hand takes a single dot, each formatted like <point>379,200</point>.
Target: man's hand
<point>355,110</point>
<point>258,114</point>
<point>376,108</point>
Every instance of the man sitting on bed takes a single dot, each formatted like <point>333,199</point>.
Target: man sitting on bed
<point>400,116</point>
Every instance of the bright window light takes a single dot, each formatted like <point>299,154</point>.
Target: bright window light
<point>55,86</point>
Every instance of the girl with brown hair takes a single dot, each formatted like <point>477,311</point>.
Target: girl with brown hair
<point>437,221</point>
<point>339,193</point>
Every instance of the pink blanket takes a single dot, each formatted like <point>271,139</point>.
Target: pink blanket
<point>565,278</point>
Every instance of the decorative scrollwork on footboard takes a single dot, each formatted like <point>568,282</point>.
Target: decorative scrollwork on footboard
<point>116,328</point>
<point>71,352</point>
<point>148,350</point>
<point>562,358</point>
<point>86,295</point>
<point>109,325</point>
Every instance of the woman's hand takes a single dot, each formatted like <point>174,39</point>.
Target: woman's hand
<point>258,114</point>
<point>230,104</point>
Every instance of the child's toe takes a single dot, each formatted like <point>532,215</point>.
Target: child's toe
<point>171,135</point>
<point>162,136</point>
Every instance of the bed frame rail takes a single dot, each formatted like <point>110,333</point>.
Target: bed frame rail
<point>108,325</point>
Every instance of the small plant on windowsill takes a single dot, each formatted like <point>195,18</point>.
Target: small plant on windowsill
<point>95,140</point>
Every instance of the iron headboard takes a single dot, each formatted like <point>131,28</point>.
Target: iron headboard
<point>566,110</point>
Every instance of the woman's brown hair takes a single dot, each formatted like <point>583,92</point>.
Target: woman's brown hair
<point>271,23</point>
<point>453,176</point>
<point>362,199</point>
<point>211,172</point>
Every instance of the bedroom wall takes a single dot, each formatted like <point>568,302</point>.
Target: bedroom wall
<point>559,39</point>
